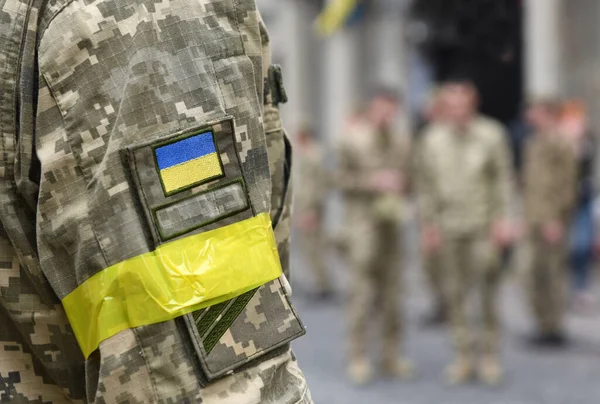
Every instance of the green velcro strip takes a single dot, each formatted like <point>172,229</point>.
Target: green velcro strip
<point>227,320</point>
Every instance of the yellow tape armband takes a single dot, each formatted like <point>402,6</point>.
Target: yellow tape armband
<point>175,279</point>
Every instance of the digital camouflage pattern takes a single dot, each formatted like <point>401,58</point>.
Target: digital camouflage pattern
<point>373,230</point>
<point>550,189</point>
<point>82,83</point>
<point>465,186</point>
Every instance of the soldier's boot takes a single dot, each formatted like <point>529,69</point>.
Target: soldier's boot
<point>360,371</point>
<point>398,368</point>
<point>490,370</point>
<point>461,370</point>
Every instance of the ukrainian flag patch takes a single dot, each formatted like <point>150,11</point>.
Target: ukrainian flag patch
<point>187,162</point>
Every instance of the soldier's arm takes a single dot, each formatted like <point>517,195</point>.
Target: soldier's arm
<point>502,186</point>
<point>406,162</point>
<point>349,177</point>
<point>135,113</point>
<point>323,176</point>
<point>316,178</point>
<point>567,191</point>
<point>425,184</point>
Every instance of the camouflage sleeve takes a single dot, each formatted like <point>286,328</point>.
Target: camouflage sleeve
<point>314,183</point>
<point>349,177</point>
<point>425,183</point>
<point>90,81</point>
<point>567,190</point>
<point>503,178</point>
<point>39,357</point>
<point>406,161</point>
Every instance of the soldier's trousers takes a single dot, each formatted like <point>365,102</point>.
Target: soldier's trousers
<point>432,265</point>
<point>314,246</point>
<point>375,289</point>
<point>546,282</point>
<point>472,266</point>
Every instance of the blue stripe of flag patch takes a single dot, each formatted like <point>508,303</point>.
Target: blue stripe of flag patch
<point>185,150</point>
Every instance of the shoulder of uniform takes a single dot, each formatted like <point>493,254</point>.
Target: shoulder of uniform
<point>490,124</point>
<point>434,134</point>
<point>494,130</point>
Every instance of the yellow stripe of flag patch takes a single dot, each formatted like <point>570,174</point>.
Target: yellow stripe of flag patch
<point>191,172</point>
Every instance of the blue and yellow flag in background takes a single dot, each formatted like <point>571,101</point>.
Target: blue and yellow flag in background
<point>189,161</point>
<point>335,15</point>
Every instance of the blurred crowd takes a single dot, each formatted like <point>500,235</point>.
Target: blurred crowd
<point>488,199</point>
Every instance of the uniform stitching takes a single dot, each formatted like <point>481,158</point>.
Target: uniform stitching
<point>79,161</point>
<point>150,375</point>
<point>143,192</point>
<point>304,396</point>
<point>14,45</point>
<point>237,20</point>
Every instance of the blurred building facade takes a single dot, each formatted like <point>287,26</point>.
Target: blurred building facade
<point>580,45</point>
<point>526,48</point>
<point>327,77</point>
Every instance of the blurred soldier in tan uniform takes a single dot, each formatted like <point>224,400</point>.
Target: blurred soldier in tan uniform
<point>464,205</point>
<point>309,208</point>
<point>434,115</point>
<point>550,182</point>
<point>373,163</point>
<point>130,130</point>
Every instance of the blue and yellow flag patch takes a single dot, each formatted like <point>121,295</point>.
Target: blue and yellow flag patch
<point>188,162</point>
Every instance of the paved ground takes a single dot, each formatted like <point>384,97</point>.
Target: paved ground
<point>533,377</point>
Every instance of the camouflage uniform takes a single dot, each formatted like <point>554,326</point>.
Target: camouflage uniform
<point>431,261</point>
<point>83,84</point>
<point>466,187</point>
<point>550,182</point>
<point>373,234</point>
<point>313,182</point>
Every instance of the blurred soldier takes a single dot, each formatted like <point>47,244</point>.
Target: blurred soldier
<point>373,162</point>
<point>434,115</point>
<point>550,181</point>
<point>139,219</point>
<point>464,205</point>
<point>310,208</point>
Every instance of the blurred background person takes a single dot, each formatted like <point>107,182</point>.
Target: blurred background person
<point>512,50</point>
<point>550,181</point>
<point>464,205</point>
<point>373,176</point>
<point>574,125</point>
<point>433,115</point>
<point>312,180</point>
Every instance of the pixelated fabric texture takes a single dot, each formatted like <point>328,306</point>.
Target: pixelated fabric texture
<point>188,162</point>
